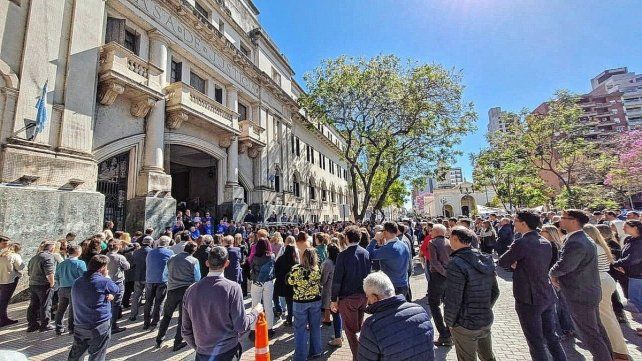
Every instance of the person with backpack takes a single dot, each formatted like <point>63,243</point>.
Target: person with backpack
<point>262,289</point>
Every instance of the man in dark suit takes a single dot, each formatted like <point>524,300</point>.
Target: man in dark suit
<point>576,274</point>
<point>534,296</point>
<point>505,236</point>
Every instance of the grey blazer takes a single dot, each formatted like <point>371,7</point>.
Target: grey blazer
<point>577,271</point>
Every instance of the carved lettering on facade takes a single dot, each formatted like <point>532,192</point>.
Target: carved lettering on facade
<point>179,29</point>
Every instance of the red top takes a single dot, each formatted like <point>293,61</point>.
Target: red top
<point>424,247</point>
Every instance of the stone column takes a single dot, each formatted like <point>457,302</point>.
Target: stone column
<point>153,205</point>
<point>232,189</point>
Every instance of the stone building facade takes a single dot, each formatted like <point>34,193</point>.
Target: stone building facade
<point>153,106</point>
<point>460,200</point>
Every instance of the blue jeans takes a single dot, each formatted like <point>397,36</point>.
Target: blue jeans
<point>635,292</point>
<point>336,322</point>
<point>308,313</point>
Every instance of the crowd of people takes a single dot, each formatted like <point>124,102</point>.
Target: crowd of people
<point>565,268</point>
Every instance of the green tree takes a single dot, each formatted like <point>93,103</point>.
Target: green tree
<point>553,141</point>
<point>400,119</point>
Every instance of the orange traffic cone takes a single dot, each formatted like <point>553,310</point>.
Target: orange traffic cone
<point>261,341</point>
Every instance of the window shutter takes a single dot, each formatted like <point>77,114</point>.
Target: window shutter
<point>115,31</point>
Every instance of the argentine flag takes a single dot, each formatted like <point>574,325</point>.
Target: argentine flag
<point>41,117</point>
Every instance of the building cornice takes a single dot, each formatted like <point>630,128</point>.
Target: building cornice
<point>260,32</point>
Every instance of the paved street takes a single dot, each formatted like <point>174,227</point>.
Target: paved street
<point>135,344</point>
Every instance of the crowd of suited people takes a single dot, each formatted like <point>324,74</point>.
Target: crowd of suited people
<point>565,268</point>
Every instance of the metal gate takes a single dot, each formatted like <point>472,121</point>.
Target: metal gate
<point>112,182</point>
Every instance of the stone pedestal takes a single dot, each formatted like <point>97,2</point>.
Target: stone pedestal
<point>233,206</point>
<point>30,215</point>
<point>155,212</point>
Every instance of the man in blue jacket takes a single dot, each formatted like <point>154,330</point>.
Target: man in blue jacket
<point>393,256</point>
<point>534,294</point>
<point>91,296</point>
<point>156,282</point>
<point>67,272</point>
<point>392,316</point>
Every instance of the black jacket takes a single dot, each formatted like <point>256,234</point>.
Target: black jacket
<point>533,254</point>
<point>471,289</point>
<point>577,271</point>
<point>282,267</point>
<point>631,258</point>
<point>396,331</point>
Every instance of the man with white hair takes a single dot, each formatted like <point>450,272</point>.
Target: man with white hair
<point>439,250</point>
<point>156,281</point>
<point>392,316</point>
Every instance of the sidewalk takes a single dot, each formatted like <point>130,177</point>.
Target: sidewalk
<point>135,344</point>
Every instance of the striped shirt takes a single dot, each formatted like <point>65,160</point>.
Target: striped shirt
<point>603,264</point>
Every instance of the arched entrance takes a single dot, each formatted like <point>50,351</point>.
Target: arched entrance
<point>467,205</point>
<point>112,183</point>
<point>195,179</point>
<point>448,210</point>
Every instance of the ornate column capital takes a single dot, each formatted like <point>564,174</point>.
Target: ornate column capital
<point>174,120</point>
<point>108,91</point>
<point>156,35</point>
<point>141,107</point>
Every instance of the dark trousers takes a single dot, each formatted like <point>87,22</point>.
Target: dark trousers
<point>233,354</point>
<point>404,291</point>
<point>117,304</point>
<point>154,296</point>
<point>95,340</point>
<point>174,300</point>
<point>487,248</point>
<point>590,330</point>
<point>436,292</point>
<point>278,308</point>
<point>129,288</point>
<point>289,303</point>
<point>352,309</point>
<point>336,323</point>
<point>618,307</point>
<point>6,291</point>
<point>565,322</point>
<point>538,324</point>
<point>137,296</point>
<point>39,305</point>
<point>64,301</point>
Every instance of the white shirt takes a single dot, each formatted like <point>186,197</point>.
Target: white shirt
<point>214,273</point>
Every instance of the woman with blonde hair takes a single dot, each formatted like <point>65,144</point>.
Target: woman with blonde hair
<point>277,243</point>
<point>305,279</point>
<point>11,266</point>
<point>607,316</point>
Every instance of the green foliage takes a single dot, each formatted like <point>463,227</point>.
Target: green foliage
<point>400,119</point>
<point>594,197</point>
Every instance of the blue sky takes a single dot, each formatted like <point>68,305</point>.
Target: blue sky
<point>513,53</point>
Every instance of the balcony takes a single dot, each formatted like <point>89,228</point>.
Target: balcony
<point>184,103</point>
<point>251,137</point>
<point>121,71</point>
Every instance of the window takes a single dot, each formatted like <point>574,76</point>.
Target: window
<point>324,195</point>
<point>221,26</point>
<point>218,94</point>
<point>131,41</point>
<point>312,192</point>
<point>176,71</point>
<point>118,33</point>
<point>296,186</point>
<point>201,9</point>
<point>298,147</point>
<point>197,82</point>
<point>310,154</point>
<point>276,76</point>
<point>292,144</point>
<point>333,197</point>
<point>245,50</point>
<point>277,182</point>
<point>242,112</point>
